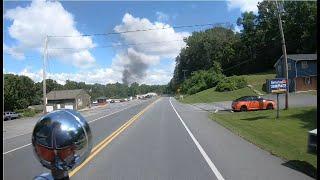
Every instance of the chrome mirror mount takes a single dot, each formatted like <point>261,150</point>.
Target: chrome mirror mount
<point>61,141</point>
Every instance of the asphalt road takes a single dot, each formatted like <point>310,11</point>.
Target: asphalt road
<point>18,158</point>
<point>167,140</point>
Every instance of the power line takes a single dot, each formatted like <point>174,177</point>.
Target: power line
<point>16,55</point>
<point>108,46</point>
<point>236,65</point>
<point>138,30</point>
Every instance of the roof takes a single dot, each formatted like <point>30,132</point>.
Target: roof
<point>299,57</point>
<point>65,94</point>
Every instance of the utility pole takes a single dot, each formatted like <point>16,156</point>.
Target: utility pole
<point>284,54</point>
<point>44,75</point>
<point>184,73</point>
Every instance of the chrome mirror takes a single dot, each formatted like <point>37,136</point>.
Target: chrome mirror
<point>61,141</point>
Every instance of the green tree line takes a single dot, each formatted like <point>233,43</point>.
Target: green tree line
<point>21,91</point>
<point>255,49</point>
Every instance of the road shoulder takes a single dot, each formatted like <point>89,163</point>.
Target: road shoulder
<point>235,157</point>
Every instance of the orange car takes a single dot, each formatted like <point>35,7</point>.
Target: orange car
<point>247,103</point>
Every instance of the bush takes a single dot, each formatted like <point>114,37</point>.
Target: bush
<point>264,87</point>
<point>226,86</point>
<point>28,112</point>
<point>231,83</point>
<point>201,80</point>
<point>240,82</point>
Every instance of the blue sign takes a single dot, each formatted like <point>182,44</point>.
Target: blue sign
<point>278,85</point>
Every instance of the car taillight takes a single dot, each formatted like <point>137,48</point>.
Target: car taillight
<point>48,153</point>
<point>45,153</point>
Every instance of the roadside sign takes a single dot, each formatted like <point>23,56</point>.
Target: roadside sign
<point>278,85</point>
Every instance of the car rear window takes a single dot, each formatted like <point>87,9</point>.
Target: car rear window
<point>242,99</point>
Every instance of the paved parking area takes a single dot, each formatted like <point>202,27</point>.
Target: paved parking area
<point>295,100</point>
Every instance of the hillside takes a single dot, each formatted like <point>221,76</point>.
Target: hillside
<point>210,95</point>
<point>257,80</point>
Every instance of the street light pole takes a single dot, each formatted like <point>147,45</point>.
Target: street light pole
<point>44,75</point>
<point>284,55</point>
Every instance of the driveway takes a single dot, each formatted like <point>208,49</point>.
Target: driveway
<point>295,100</point>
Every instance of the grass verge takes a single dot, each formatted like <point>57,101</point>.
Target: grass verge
<point>285,137</point>
<point>28,112</point>
<point>210,95</point>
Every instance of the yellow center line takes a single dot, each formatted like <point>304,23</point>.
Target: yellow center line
<point>108,139</point>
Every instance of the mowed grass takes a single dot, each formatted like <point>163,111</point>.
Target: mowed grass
<point>285,137</point>
<point>257,80</point>
<point>210,95</point>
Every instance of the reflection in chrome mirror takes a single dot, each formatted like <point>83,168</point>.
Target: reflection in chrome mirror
<point>61,141</point>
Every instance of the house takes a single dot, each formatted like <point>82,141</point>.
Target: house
<point>302,71</point>
<point>68,99</point>
<point>101,100</point>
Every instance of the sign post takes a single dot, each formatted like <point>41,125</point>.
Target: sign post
<point>278,86</point>
<point>277,105</point>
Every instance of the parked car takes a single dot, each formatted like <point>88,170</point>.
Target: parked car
<point>247,103</point>
<point>8,115</point>
<point>112,101</point>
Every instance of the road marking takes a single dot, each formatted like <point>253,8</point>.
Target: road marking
<point>98,148</point>
<point>204,154</point>
<point>88,122</point>
<point>17,148</point>
<point>17,136</point>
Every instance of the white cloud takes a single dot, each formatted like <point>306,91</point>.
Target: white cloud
<point>159,75</point>
<point>142,65</point>
<point>162,17</point>
<point>243,5</point>
<point>31,24</point>
<point>35,76</point>
<point>165,49</point>
<point>237,29</point>
<point>148,49</point>
<point>13,51</point>
<point>102,76</point>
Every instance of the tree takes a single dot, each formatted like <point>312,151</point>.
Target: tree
<point>18,92</point>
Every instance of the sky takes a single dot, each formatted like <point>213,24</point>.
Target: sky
<point>143,56</point>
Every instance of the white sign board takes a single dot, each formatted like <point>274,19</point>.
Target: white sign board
<point>68,107</point>
<point>49,108</point>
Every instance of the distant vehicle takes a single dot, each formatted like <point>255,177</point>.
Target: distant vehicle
<point>95,103</point>
<point>10,115</point>
<point>112,101</point>
<point>247,103</point>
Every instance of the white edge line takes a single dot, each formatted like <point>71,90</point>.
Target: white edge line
<point>204,154</point>
<point>16,149</point>
<point>88,122</point>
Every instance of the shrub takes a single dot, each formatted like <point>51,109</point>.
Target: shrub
<point>240,82</point>
<point>264,87</point>
<point>231,83</point>
<point>201,80</point>
<point>28,112</point>
<point>226,86</point>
